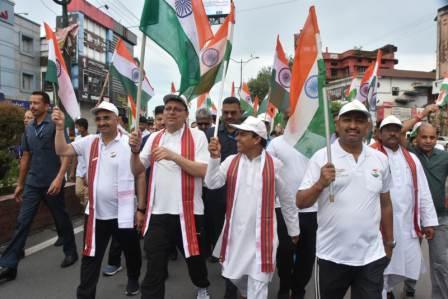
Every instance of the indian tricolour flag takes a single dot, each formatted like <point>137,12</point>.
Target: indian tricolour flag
<point>124,67</point>
<point>57,74</point>
<point>181,28</point>
<point>246,99</point>
<point>280,80</point>
<point>213,57</point>
<point>305,129</point>
<point>369,84</point>
<point>352,91</point>
<point>204,101</point>
<point>442,99</point>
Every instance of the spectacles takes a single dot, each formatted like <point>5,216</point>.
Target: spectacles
<point>174,109</point>
<point>105,118</point>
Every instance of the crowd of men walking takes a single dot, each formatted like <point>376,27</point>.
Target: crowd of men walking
<point>242,198</point>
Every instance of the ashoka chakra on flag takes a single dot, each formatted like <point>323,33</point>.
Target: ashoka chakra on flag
<point>311,87</point>
<point>210,57</point>
<point>183,8</point>
<point>284,77</point>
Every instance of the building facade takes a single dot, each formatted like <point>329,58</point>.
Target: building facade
<point>345,64</point>
<point>91,54</point>
<point>19,55</point>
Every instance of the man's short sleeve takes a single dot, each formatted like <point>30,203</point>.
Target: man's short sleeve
<point>145,153</point>
<point>24,143</point>
<point>312,173</point>
<point>81,145</point>
<point>387,178</point>
<point>201,147</point>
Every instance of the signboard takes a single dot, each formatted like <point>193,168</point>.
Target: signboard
<point>215,8</point>
<point>7,11</point>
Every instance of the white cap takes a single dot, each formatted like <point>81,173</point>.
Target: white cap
<point>265,117</point>
<point>108,106</point>
<point>354,105</point>
<point>391,120</point>
<point>176,97</point>
<point>252,124</point>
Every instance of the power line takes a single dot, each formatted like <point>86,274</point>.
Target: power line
<point>44,4</point>
<point>127,9</point>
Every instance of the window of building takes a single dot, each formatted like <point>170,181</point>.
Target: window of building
<point>27,44</point>
<point>334,72</point>
<point>362,69</point>
<point>395,91</point>
<point>334,64</point>
<point>27,82</point>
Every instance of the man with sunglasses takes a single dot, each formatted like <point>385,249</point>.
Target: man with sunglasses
<point>41,178</point>
<point>111,206</point>
<point>177,157</point>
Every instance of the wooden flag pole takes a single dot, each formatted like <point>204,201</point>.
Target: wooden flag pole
<point>141,77</point>
<point>221,94</point>
<point>327,137</point>
<point>104,88</point>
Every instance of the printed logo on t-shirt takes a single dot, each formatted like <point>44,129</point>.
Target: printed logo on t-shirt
<point>113,154</point>
<point>375,173</point>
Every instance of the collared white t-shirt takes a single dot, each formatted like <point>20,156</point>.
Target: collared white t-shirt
<point>81,166</point>
<point>107,174</point>
<point>349,228</point>
<point>167,179</point>
<point>294,166</point>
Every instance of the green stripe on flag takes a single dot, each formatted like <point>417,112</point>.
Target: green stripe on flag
<point>168,33</point>
<point>314,137</point>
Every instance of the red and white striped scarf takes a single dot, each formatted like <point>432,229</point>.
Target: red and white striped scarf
<point>187,220</point>
<point>266,233</point>
<point>413,168</point>
<point>125,194</point>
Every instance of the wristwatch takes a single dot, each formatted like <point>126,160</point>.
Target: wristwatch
<point>390,244</point>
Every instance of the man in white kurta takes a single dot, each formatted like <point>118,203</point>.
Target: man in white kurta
<point>242,262</point>
<point>407,260</point>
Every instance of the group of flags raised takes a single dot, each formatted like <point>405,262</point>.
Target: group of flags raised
<point>182,29</point>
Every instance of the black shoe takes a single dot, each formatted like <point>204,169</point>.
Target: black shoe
<point>133,288</point>
<point>69,260</point>
<point>22,254</point>
<point>410,294</point>
<point>59,242</point>
<point>8,274</point>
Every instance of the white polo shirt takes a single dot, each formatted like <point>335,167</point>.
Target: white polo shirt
<point>294,166</point>
<point>349,228</point>
<point>107,174</point>
<point>81,169</point>
<point>168,177</point>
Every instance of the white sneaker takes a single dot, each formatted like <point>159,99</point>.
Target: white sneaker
<point>203,293</point>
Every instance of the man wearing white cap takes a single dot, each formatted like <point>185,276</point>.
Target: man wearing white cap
<point>294,261</point>
<point>351,250</point>
<point>111,206</point>
<point>174,213</point>
<point>248,243</point>
<point>414,212</point>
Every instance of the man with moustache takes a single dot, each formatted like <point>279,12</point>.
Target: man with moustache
<point>173,216</point>
<point>41,178</point>
<point>414,212</point>
<point>435,165</point>
<point>351,250</point>
<point>111,207</point>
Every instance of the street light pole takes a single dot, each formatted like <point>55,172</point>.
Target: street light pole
<point>241,62</point>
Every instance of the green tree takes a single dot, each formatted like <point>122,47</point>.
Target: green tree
<point>259,85</point>
<point>11,128</point>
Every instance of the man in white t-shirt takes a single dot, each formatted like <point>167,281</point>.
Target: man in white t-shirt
<point>177,157</point>
<point>352,252</point>
<point>111,206</point>
<point>294,261</point>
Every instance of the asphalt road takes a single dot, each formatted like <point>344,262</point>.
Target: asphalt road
<point>40,277</point>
